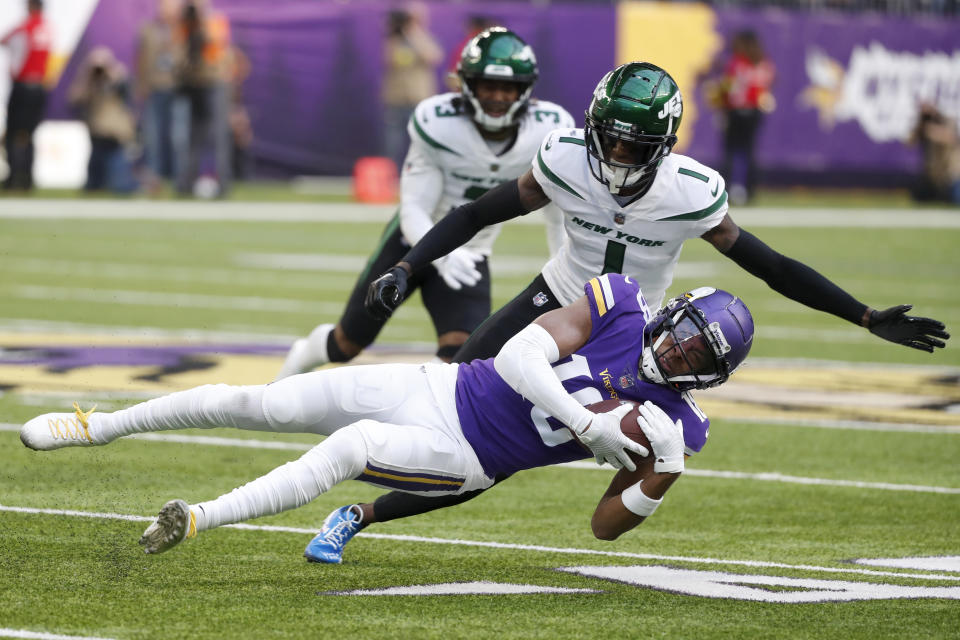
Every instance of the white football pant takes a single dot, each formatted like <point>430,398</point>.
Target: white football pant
<point>394,426</point>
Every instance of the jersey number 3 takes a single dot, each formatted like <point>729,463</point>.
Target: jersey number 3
<point>550,435</point>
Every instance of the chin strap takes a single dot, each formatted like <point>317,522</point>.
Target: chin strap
<point>496,123</point>
<point>648,366</point>
<point>617,178</point>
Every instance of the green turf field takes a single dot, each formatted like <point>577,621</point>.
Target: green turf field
<point>831,446</point>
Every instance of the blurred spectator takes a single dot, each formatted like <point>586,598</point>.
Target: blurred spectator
<point>241,128</point>
<point>744,97</point>
<point>939,143</point>
<point>29,44</point>
<point>100,91</point>
<point>202,111</point>
<point>474,25</point>
<point>154,86</point>
<point>412,56</point>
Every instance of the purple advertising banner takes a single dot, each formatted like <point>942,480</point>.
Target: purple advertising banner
<point>314,89</point>
<point>847,89</point>
<point>847,85</point>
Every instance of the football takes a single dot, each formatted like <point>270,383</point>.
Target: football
<point>628,424</point>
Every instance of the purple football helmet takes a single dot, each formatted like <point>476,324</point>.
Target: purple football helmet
<point>696,340</point>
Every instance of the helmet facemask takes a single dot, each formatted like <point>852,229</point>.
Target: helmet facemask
<point>638,155</point>
<point>697,340</point>
<point>485,120</point>
<point>631,126</point>
<point>499,55</point>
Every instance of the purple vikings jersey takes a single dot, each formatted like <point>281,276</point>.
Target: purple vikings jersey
<point>509,434</point>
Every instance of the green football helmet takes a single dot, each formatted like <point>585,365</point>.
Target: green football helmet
<point>497,54</point>
<point>636,108</point>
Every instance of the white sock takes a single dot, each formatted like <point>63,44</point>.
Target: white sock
<point>203,407</point>
<point>317,345</point>
<point>340,457</point>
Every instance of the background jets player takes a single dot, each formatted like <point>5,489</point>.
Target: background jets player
<point>462,144</point>
<point>451,428</point>
<point>628,205</point>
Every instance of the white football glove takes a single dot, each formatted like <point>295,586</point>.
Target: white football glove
<point>458,268</point>
<point>665,436</point>
<point>607,442</point>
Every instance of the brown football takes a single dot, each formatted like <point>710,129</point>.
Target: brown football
<point>628,424</point>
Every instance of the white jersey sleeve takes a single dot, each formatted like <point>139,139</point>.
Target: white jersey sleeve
<point>553,220</point>
<point>641,239</point>
<point>445,138</point>
<point>421,186</point>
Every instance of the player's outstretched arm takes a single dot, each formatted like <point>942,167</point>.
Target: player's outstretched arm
<point>632,497</point>
<point>803,284</point>
<point>509,200</point>
<point>524,364</point>
<point>612,518</point>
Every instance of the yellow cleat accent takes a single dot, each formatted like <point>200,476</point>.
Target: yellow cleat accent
<point>192,529</point>
<point>83,417</point>
<point>56,430</point>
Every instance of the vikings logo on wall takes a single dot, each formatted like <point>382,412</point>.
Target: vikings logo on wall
<point>881,89</point>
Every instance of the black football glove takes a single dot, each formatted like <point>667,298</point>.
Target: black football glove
<point>895,325</point>
<point>386,293</point>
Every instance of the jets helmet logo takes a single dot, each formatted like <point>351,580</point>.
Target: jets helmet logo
<point>673,108</point>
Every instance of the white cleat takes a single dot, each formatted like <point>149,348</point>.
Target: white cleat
<point>174,524</point>
<point>56,430</point>
<point>307,353</point>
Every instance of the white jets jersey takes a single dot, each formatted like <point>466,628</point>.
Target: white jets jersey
<point>641,240</point>
<point>450,164</point>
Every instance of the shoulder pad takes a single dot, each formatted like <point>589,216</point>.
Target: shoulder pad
<point>606,291</point>
<point>438,121</point>
<point>549,114</point>
<point>696,191</point>
<point>553,152</point>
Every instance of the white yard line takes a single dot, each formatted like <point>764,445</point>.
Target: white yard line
<point>168,300</point>
<point>279,305</point>
<point>507,545</point>
<point>43,635</point>
<point>854,425</point>
<point>165,273</point>
<point>76,331</point>
<point>257,268</point>
<point>298,212</point>
<point>589,466</point>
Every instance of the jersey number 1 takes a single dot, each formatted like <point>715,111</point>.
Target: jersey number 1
<point>613,257</point>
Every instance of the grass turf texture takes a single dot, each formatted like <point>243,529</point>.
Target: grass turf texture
<point>340,190</point>
<point>87,576</point>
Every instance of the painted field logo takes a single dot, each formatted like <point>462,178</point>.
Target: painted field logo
<point>758,588</point>
<point>718,584</point>
<point>130,366</point>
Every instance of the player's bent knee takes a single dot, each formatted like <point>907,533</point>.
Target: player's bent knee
<point>233,406</point>
<point>281,404</point>
<point>347,448</point>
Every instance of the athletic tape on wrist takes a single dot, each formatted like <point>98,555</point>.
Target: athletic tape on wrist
<point>636,501</point>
